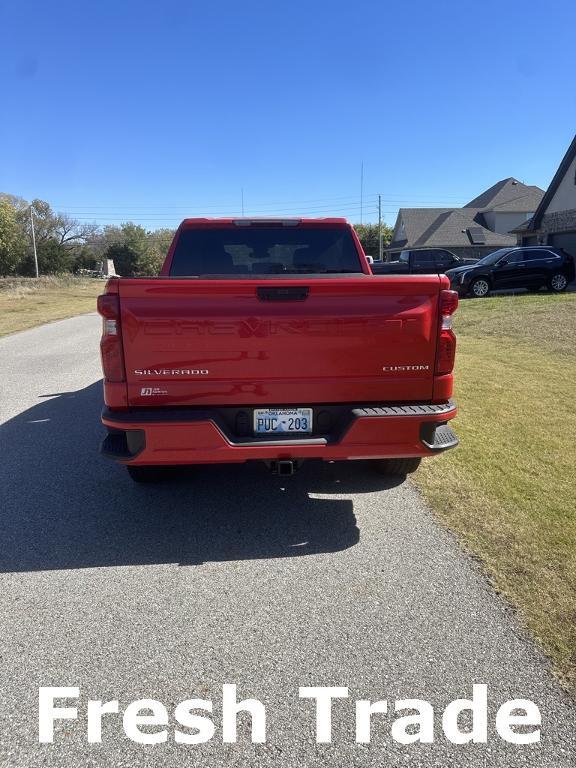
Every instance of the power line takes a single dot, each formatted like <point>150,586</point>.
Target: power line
<point>34,242</point>
<point>388,198</point>
<point>212,204</point>
<point>87,215</point>
<point>204,210</point>
<point>161,217</point>
<point>361,189</point>
<point>178,209</point>
<point>297,214</point>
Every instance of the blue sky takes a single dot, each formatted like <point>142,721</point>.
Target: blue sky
<point>153,111</point>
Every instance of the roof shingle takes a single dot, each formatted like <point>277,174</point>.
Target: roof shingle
<point>508,195</point>
<point>445,227</point>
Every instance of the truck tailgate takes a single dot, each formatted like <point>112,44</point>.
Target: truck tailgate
<point>279,341</point>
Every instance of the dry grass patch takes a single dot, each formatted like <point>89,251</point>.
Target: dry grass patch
<point>26,302</point>
<point>509,490</point>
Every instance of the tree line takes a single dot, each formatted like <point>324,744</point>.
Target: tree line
<point>66,245</point>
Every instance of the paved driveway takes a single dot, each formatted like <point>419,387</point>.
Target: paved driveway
<point>229,575</point>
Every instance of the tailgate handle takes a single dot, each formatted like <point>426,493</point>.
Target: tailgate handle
<point>288,293</point>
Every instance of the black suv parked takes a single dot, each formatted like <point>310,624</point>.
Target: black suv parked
<point>421,261</point>
<point>531,267</point>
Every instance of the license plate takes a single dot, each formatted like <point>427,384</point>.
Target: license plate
<point>282,421</point>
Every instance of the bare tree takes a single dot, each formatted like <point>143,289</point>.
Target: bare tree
<point>70,232</point>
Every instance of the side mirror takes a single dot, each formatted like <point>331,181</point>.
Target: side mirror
<point>503,262</point>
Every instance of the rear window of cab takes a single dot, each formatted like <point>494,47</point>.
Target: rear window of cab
<point>276,250</point>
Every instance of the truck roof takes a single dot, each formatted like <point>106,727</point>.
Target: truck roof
<point>246,221</point>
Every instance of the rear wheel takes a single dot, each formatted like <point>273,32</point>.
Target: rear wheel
<point>146,474</point>
<point>558,283</point>
<point>479,288</point>
<point>397,467</point>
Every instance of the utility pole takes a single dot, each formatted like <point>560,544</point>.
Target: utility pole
<point>380,227</point>
<point>34,243</point>
<point>361,189</point>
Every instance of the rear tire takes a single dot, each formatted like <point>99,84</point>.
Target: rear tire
<point>397,467</point>
<point>146,474</point>
<point>558,283</point>
<point>479,288</point>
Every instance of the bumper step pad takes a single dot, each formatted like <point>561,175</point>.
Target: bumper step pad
<point>438,437</point>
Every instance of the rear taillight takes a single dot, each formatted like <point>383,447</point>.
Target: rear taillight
<point>446,350</point>
<point>111,341</point>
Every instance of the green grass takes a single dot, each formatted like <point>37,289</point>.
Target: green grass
<point>26,302</point>
<point>509,490</point>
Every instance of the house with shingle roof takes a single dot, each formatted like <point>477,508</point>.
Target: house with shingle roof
<point>554,222</point>
<point>481,226</point>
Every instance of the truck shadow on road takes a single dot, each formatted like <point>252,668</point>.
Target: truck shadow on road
<point>66,507</point>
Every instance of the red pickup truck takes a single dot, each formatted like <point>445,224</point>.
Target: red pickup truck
<point>272,340</point>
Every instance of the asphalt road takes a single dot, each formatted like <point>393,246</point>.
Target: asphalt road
<point>229,575</point>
